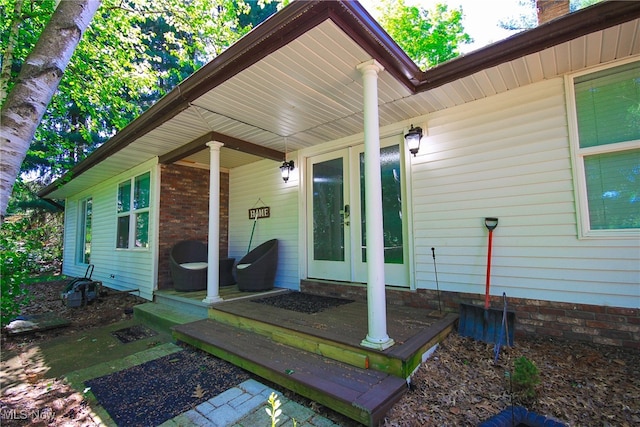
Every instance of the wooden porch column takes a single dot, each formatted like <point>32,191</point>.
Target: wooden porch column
<point>376,299</point>
<point>213,255</point>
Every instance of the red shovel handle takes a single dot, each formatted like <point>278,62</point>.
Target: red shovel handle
<point>486,295</point>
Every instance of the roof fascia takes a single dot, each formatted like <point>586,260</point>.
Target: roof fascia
<point>571,26</point>
<point>270,35</point>
<point>301,16</point>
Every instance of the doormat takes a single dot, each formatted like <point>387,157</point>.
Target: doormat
<point>154,392</point>
<point>133,333</point>
<point>303,303</point>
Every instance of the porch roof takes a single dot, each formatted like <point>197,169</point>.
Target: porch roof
<point>293,80</point>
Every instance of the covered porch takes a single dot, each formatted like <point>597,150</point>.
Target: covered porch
<point>315,350</point>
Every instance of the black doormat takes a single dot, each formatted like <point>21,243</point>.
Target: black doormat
<point>133,333</point>
<point>156,391</point>
<point>303,303</point>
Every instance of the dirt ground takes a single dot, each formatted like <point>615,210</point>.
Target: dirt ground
<point>579,384</point>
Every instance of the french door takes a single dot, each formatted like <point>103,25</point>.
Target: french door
<point>336,213</point>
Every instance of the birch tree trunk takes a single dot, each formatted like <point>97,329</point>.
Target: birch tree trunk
<point>38,80</point>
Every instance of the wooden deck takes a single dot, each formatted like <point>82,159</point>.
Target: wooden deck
<point>319,355</point>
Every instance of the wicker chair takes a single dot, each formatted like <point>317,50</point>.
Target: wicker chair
<point>256,271</point>
<point>189,266</point>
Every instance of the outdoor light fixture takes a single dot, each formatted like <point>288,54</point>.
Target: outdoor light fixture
<point>413,138</point>
<point>285,169</point>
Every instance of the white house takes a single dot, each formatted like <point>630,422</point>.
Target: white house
<point>541,130</point>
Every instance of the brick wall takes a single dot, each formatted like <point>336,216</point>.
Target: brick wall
<point>184,212</point>
<point>551,9</point>
<point>615,326</point>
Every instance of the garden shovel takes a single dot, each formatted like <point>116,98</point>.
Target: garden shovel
<point>484,323</point>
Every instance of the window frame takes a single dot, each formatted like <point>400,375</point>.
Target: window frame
<point>578,155</point>
<point>133,213</point>
<point>81,238</point>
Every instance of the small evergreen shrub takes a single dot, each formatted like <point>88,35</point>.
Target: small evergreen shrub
<point>526,377</point>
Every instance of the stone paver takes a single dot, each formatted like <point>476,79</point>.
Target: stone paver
<point>240,406</point>
<point>244,406</point>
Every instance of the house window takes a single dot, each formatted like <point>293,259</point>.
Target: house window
<point>607,149</point>
<point>85,216</point>
<point>133,212</point>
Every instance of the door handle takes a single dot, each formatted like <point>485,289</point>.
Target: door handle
<point>345,215</point>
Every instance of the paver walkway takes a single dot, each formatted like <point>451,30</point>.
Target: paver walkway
<point>240,406</point>
<point>244,406</point>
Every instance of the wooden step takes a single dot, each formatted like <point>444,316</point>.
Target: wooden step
<point>364,395</point>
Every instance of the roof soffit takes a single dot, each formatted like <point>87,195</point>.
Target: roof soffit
<point>299,17</point>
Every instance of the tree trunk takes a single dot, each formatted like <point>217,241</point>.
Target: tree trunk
<point>37,82</point>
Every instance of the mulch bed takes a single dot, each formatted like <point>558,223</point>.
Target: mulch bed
<point>581,384</point>
<point>303,303</point>
<point>151,393</point>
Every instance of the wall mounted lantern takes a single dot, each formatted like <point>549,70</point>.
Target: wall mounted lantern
<point>412,138</point>
<point>286,169</point>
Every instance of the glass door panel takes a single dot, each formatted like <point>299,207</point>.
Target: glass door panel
<point>395,254</point>
<point>328,202</point>
<point>329,249</point>
<point>391,206</point>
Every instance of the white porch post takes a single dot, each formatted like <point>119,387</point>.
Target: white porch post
<point>213,256</point>
<point>376,299</point>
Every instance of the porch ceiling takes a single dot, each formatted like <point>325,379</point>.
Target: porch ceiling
<point>308,92</point>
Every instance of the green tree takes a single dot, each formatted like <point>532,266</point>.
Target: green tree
<point>26,101</point>
<point>429,37</point>
<point>132,54</point>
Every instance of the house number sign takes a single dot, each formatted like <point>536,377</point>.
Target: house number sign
<point>257,213</point>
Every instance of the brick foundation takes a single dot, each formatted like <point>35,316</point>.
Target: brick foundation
<point>615,326</point>
<point>184,212</point>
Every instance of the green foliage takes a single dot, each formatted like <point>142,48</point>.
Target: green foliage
<point>29,244</point>
<point>428,37</point>
<point>525,376</point>
<point>13,270</point>
<point>274,411</point>
<point>131,55</point>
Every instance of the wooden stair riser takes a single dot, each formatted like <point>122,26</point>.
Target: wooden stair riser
<point>329,349</point>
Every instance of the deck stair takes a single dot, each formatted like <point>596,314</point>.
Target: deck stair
<point>320,356</point>
<point>364,395</point>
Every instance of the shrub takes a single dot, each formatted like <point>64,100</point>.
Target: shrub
<point>525,377</point>
<point>27,247</point>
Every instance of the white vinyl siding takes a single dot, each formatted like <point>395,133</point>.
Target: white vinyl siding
<point>118,269</point>
<point>508,157</point>
<point>260,184</point>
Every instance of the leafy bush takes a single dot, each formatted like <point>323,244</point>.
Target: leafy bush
<point>27,247</point>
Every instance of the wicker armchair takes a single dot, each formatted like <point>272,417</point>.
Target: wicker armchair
<point>256,271</point>
<point>188,260</point>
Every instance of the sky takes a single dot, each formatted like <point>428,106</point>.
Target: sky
<point>480,20</point>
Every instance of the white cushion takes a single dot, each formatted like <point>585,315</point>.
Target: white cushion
<point>241,266</point>
<point>194,265</point>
